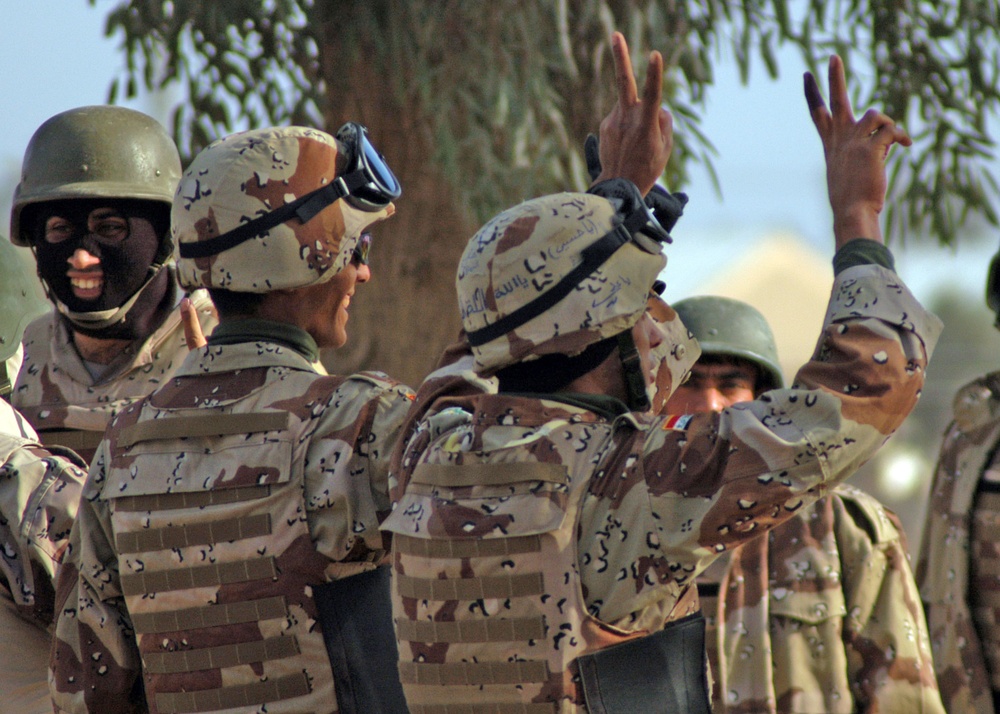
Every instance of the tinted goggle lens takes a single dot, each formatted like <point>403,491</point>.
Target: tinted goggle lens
<point>381,186</point>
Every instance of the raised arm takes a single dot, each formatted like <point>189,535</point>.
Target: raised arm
<point>637,136</point>
<point>855,152</point>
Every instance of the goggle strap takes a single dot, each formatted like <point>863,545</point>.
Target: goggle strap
<point>635,380</point>
<point>304,208</point>
<point>593,257</point>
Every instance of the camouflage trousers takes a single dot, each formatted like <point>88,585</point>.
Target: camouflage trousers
<point>24,663</point>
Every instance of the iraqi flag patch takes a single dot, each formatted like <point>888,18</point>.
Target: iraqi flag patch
<point>677,423</point>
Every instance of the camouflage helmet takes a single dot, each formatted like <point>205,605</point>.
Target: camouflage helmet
<point>733,328</point>
<point>553,275</point>
<point>20,303</point>
<point>96,152</point>
<point>261,175</point>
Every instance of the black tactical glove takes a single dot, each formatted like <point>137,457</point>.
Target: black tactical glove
<point>667,207</point>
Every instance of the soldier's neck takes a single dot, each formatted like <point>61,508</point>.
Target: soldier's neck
<point>98,350</point>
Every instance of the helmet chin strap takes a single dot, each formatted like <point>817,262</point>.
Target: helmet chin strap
<point>637,398</point>
<point>100,319</point>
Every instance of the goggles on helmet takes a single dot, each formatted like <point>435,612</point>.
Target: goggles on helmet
<point>638,226</point>
<point>368,185</point>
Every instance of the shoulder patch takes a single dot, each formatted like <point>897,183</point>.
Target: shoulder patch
<point>675,422</point>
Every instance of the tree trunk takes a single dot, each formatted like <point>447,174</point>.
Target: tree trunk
<point>404,317</point>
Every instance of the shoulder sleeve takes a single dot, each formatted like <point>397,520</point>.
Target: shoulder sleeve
<point>94,663</point>
<point>729,476</point>
<point>347,464</point>
<point>889,656</point>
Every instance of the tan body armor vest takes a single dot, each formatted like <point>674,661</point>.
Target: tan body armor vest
<point>489,609</point>
<point>217,568</point>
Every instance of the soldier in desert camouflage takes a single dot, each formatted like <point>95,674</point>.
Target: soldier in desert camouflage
<point>39,492</point>
<point>546,538</point>
<point>822,614</point>
<point>94,205</point>
<point>959,554</point>
<point>227,553</point>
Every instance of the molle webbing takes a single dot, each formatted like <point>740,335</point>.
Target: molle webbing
<point>75,440</point>
<point>486,548</point>
<point>478,474</point>
<point>202,425</point>
<point>473,673</point>
<point>182,536</point>
<point>221,656</point>
<point>191,499</point>
<point>199,576</point>
<point>193,618</point>
<point>245,695</point>
<point>502,630</point>
<point>489,588</point>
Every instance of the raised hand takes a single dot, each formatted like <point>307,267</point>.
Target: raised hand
<point>637,136</point>
<point>855,152</point>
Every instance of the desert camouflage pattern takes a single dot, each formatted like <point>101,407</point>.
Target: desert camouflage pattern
<point>39,493</point>
<point>289,499</point>
<point>674,356</point>
<point>662,498</point>
<point>943,570</point>
<point>66,406</point>
<point>823,615</point>
<point>246,175</point>
<point>521,253</point>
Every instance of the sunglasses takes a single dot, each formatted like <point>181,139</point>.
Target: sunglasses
<point>361,250</point>
<point>368,185</point>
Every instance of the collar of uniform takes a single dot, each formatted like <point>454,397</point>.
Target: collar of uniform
<point>232,332</point>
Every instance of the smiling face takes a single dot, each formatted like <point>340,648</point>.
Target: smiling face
<point>326,306</point>
<point>95,254</point>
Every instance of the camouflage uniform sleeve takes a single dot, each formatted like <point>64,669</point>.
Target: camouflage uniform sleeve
<point>727,477</point>
<point>347,469</point>
<point>94,660</point>
<point>39,493</point>
<point>888,650</point>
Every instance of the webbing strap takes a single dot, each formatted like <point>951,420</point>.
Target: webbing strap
<point>191,499</point>
<point>468,548</point>
<point>181,536</point>
<point>195,618</point>
<point>491,474</point>
<point>484,708</point>
<point>75,440</point>
<point>476,673</point>
<point>242,695</point>
<point>221,656</point>
<point>514,629</point>
<point>201,425</point>
<point>198,577</point>
<point>497,586</point>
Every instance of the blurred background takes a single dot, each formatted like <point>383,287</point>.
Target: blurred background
<point>761,234</point>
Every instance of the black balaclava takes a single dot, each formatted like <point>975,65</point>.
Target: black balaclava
<point>135,288</point>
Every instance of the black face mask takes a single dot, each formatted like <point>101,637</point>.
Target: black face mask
<point>127,256</point>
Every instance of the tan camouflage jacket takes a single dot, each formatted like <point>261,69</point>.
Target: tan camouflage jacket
<point>672,494</point>
<point>39,491</point>
<point>333,455</point>
<point>54,390</point>
<point>943,567</point>
<point>823,615</point>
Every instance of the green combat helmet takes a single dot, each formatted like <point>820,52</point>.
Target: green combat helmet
<point>260,210</point>
<point>557,274</point>
<point>19,305</point>
<point>724,326</point>
<point>96,152</point>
